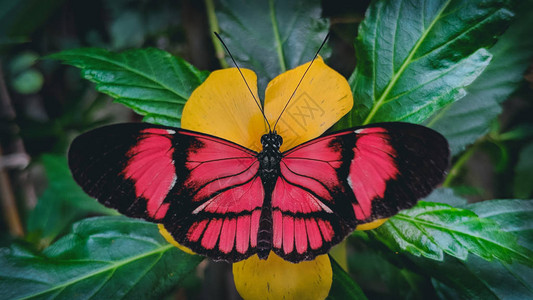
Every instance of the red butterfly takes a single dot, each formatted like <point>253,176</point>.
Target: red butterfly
<point>228,202</point>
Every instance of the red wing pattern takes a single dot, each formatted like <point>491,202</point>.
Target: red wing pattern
<point>200,187</point>
<point>209,195</point>
<point>333,183</point>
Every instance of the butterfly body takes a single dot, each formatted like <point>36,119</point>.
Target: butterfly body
<point>269,160</point>
<point>228,202</point>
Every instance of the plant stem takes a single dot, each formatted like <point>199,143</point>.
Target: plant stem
<point>279,43</point>
<point>9,204</point>
<point>454,171</point>
<point>213,27</point>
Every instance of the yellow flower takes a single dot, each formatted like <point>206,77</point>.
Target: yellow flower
<point>223,106</point>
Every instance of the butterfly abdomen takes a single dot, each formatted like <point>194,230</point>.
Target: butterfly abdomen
<point>264,234</point>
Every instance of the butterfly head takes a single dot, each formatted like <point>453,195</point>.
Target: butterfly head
<point>272,141</point>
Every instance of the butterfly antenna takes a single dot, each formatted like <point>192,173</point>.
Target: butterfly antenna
<point>242,75</point>
<point>301,79</point>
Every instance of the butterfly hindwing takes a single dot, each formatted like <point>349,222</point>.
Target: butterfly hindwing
<point>351,177</point>
<point>202,188</point>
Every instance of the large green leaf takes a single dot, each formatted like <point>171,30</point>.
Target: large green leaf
<point>523,186</point>
<point>432,229</point>
<point>469,118</point>
<point>343,286</point>
<point>476,278</point>
<point>272,36</point>
<point>61,203</point>
<point>152,82</point>
<point>415,57</point>
<point>103,258</point>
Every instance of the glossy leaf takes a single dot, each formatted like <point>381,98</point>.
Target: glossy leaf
<point>476,278</point>
<point>514,216</point>
<point>152,82</point>
<point>61,203</point>
<point>469,118</point>
<point>431,229</point>
<point>343,286</point>
<point>415,57</point>
<point>272,36</point>
<point>103,258</point>
<point>523,187</point>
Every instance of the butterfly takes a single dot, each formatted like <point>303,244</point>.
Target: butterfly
<point>229,202</point>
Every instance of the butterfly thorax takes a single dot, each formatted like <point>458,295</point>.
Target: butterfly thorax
<point>269,160</point>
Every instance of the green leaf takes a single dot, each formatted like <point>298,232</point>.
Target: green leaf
<point>380,278</point>
<point>272,36</point>
<point>152,82</point>
<point>446,196</point>
<point>524,172</point>
<point>432,229</point>
<point>103,258</point>
<point>469,118</point>
<point>415,57</point>
<point>476,278</point>
<point>61,203</point>
<point>343,286</point>
<point>514,216</point>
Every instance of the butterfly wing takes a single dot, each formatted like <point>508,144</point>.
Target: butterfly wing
<point>331,184</point>
<point>202,188</point>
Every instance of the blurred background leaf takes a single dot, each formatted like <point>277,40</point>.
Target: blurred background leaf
<point>523,186</point>
<point>343,286</point>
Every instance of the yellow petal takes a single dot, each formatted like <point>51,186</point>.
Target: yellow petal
<point>164,232</point>
<point>223,106</point>
<point>371,225</point>
<point>276,278</point>
<point>323,97</point>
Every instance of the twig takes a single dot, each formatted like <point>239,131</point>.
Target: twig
<point>457,167</point>
<point>213,26</point>
<point>9,205</point>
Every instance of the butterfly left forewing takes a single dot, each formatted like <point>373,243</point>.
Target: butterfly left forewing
<point>355,176</point>
<point>205,190</point>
